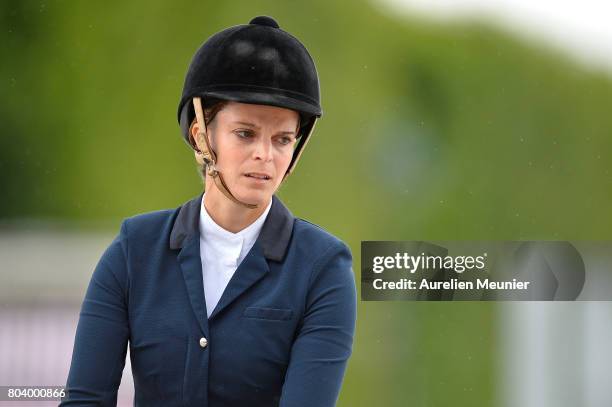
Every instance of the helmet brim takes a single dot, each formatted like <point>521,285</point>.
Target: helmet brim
<point>261,98</point>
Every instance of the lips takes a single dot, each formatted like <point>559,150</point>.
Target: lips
<point>258,175</point>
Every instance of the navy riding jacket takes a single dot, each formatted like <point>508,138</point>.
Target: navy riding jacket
<point>281,334</point>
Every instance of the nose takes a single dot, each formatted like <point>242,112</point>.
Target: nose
<point>263,149</point>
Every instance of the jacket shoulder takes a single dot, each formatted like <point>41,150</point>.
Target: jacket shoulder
<point>149,225</point>
<point>314,234</point>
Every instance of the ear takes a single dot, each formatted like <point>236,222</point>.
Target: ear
<point>193,136</point>
<point>194,140</point>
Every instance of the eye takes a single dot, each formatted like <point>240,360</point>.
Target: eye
<point>244,134</point>
<point>285,140</point>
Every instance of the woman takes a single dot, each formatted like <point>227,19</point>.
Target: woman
<point>228,300</point>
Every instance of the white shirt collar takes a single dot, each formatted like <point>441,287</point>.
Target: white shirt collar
<point>236,245</point>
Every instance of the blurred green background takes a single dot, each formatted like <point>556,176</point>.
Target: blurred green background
<point>430,131</point>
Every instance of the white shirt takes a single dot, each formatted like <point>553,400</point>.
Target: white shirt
<point>222,251</point>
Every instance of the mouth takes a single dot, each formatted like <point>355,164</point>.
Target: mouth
<point>258,176</point>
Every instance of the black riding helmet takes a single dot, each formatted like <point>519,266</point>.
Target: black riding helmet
<point>254,63</point>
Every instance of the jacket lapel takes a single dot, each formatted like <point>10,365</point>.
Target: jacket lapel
<point>271,245</point>
<point>252,269</point>
<point>185,237</point>
<point>191,266</point>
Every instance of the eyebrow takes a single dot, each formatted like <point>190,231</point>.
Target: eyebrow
<point>257,127</point>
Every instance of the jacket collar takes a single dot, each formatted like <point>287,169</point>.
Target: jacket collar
<point>273,238</point>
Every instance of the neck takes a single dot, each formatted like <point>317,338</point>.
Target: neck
<point>227,214</point>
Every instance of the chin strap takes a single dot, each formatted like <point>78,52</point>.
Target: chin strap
<point>210,158</point>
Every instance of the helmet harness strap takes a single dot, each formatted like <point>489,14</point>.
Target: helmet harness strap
<point>299,149</point>
<point>210,158</point>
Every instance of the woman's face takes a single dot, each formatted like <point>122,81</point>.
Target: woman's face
<point>254,146</point>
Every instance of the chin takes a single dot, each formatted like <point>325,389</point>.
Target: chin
<point>257,197</point>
